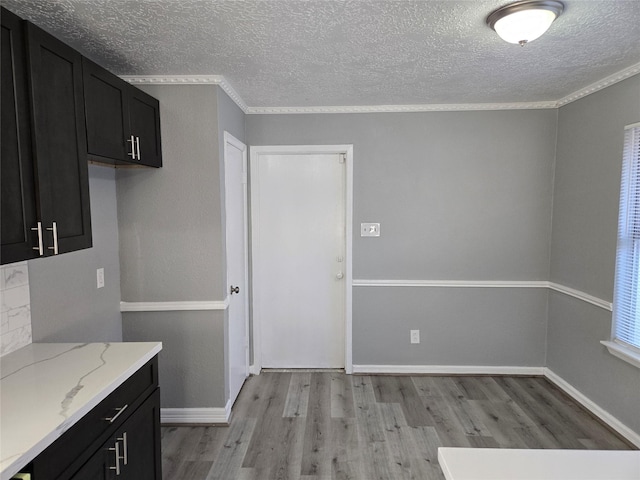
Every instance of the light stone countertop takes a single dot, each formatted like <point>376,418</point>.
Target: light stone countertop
<point>520,464</point>
<point>45,388</point>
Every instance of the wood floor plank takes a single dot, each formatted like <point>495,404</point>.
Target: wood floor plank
<point>401,390</point>
<point>364,399</point>
<point>193,470</point>
<point>541,414</point>
<point>233,451</point>
<point>316,457</point>
<point>209,443</point>
<point>298,395</point>
<point>268,408</point>
<point>341,396</point>
<point>331,426</point>
<point>346,458</point>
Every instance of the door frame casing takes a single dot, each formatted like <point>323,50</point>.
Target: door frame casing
<point>255,153</point>
<point>234,142</point>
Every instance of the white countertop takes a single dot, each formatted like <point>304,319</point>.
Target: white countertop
<point>514,464</point>
<point>45,388</point>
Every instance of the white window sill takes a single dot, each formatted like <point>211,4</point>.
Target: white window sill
<point>623,353</point>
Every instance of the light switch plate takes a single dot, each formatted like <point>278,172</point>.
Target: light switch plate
<point>100,277</point>
<point>369,229</point>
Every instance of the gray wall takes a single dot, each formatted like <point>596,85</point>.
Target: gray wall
<point>192,356</point>
<point>585,215</point>
<point>66,306</point>
<point>460,196</point>
<point>169,218</point>
<point>172,243</point>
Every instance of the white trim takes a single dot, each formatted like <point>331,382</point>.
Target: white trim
<point>347,150</point>
<point>189,80</point>
<point>447,370</point>
<point>585,297</point>
<point>599,85</point>
<point>230,140</point>
<point>451,283</point>
<point>207,416</point>
<point>598,411</point>
<point>451,107</point>
<point>622,352</point>
<point>174,306</point>
<point>254,370</point>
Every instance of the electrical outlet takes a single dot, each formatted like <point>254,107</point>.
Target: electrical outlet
<point>415,336</point>
<point>100,277</point>
<point>369,229</point>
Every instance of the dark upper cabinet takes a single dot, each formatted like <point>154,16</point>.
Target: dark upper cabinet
<point>144,113</point>
<point>45,182</point>
<point>107,113</point>
<point>123,122</point>
<point>59,140</point>
<point>18,206</point>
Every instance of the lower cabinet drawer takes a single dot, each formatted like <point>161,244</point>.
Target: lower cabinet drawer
<point>133,452</point>
<point>75,447</point>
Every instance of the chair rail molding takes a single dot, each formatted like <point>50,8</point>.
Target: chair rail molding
<point>174,306</point>
<point>572,292</point>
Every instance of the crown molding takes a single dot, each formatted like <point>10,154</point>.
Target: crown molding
<point>599,85</point>
<point>444,107</point>
<point>189,80</point>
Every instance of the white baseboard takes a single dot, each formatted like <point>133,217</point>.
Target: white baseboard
<point>601,413</point>
<point>207,416</point>
<point>254,370</point>
<point>448,370</point>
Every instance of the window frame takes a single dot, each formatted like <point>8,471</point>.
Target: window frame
<point>625,326</point>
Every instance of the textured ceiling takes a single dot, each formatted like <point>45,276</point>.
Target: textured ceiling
<point>283,53</point>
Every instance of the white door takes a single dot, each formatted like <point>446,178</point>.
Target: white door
<point>235,181</point>
<point>298,217</point>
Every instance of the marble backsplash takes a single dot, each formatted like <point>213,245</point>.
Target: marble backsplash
<point>15,329</point>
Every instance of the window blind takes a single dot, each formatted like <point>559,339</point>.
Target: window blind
<point>626,304</point>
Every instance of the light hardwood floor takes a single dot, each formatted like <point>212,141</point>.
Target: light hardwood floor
<point>328,425</point>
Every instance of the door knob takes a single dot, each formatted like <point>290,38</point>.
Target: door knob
<point>234,289</point>
<point>340,276</point>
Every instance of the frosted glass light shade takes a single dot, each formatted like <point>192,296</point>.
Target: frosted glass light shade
<point>522,22</point>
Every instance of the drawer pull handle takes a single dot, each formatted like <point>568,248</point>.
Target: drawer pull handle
<point>119,410</point>
<point>123,439</point>
<point>116,449</point>
<point>54,230</point>
<point>39,248</point>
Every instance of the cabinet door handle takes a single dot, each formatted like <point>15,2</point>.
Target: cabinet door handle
<point>116,449</point>
<point>119,410</point>
<point>39,247</point>
<point>132,154</point>
<point>138,146</point>
<point>54,229</point>
<point>125,449</point>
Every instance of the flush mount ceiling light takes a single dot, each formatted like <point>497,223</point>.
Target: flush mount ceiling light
<point>522,22</point>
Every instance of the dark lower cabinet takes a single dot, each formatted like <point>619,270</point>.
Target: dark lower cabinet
<point>133,452</point>
<point>117,439</point>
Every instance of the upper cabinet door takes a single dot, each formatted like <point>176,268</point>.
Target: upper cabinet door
<point>18,206</point>
<point>144,114</point>
<point>60,141</point>
<point>107,114</point>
